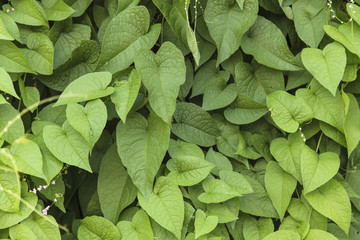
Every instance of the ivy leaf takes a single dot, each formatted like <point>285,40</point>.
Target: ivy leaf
<point>268,45</point>
<point>56,10</point>
<point>218,94</point>
<point>6,84</point>
<point>217,191</point>
<point>9,181</point>
<point>283,235</point>
<point>288,111</point>
<point>138,229</point>
<point>96,227</point>
<point>227,23</point>
<point>162,74</point>
<point>125,94</point>
<point>317,234</point>
<point>115,188</point>
<point>131,25</point>
<point>142,145</point>
<point>257,229</point>
<point>332,201</point>
<point>280,186</point>
<point>67,145</point>
<point>317,170</point>
<point>89,86</point>
<point>29,13</point>
<point>12,59</point>
<point>44,228</point>
<point>351,125</point>
<point>327,66</point>
<point>194,124</point>
<point>204,224</point>
<point>165,205</point>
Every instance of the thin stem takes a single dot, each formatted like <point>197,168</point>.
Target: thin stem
<point>318,144</point>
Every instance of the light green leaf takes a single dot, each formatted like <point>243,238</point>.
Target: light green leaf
<point>78,120</point>
<point>194,124</point>
<point>125,94</point>
<point>309,19</point>
<point>245,149</point>
<point>351,124</point>
<point>142,145</point>
<point>56,10</point>
<point>223,213</point>
<point>217,191</point>
<point>268,45</point>
<point>131,25</point>
<point>24,156</point>
<point>11,26</point>
<point>4,34</point>
<point>288,111</point>
<point>79,6</point>
<point>138,229</point>
<point>325,106</point>
<point>332,201</point>
<point>301,227</point>
<point>283,235</point>
<point>204,224</point>
<point>12,59</point>
<point>327,66</point>
<point>180,148</point>
<point>353,11</point>
<point>40,53</point>
<point>22,232</point>
<point>87,87</point>
<point>175,13</point>
<point>317,234</point>
<point>236,181</point>
<point>115,188</point>
<point>280,186</point>
<point>227,23</point>
<point>6,84</point>
<point>29,95</point>
<point>221,162</point>
<point>67,145</point>
<point>28,12</point>
<point>10,181</point>
<point>16,129</point>
<point>162,74</point>
<point>316,170</point>
<point>257,229</point>
<point>218,94</point>
<point>165,205</point>
<point>287,153</point>
<point>44,228</point>
<point>96,227</point>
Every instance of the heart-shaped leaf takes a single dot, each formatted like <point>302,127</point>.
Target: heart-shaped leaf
<point>204,224</point>
<point>217,191</point>
<point>218,94</point>
<point>138,229</point>
<point>257,229</point>
<point>96,227</point>
<point>316,170</point>
<point>327,66</point>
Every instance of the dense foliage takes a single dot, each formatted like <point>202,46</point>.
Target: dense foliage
<point>179,119</point>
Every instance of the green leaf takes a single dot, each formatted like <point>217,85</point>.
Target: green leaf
<point>16,129</point>
<point>289,223</point>
<point>165,205</point>
<point>316,170</point>
<point>6,84</point>
<point>351,124</point>
<point>327,66</point>
<point>223,213</point>
<point>56,10</point>
<point>79,6</point>
<point>4,34</point>
<point>96,227</point>
<point>162,74</point>
<point>11,26</point>
<point>257,229</point>
<point>236,181</point>
<point>138,229</point>
<point>131,25</point>
<point>115,188</point>
<point>221,162</point>
<point>22,232</point>
<point>28,12</point>
<point>10,181</point>
<point>142,145</point>
<point>40,53</point>
<point>309,19</point>
<point>44,228</point>
<point>187,168</point>
<point>287,153</point>
<point>268,45</point>
<point>194,124</point>
<point>227,23</point>
<point>332,201</point>
<point>24,156</point>
<point>125,94</point>
<point>87,87</point>
<point>218,94</point>
<point>217,191</point>
<point>29,95</point>
<point>283,235</point>
<point>325,106</point>
<point>204,224</point>
<point>288,111</point>
<point>27,206</point>
<point>317,234</point>
<point>245,149</point>
<point>67,145</point>
<point>12,59</point>
<point>353,11</point>
<point>175,13</point>
<point>280,186</point>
